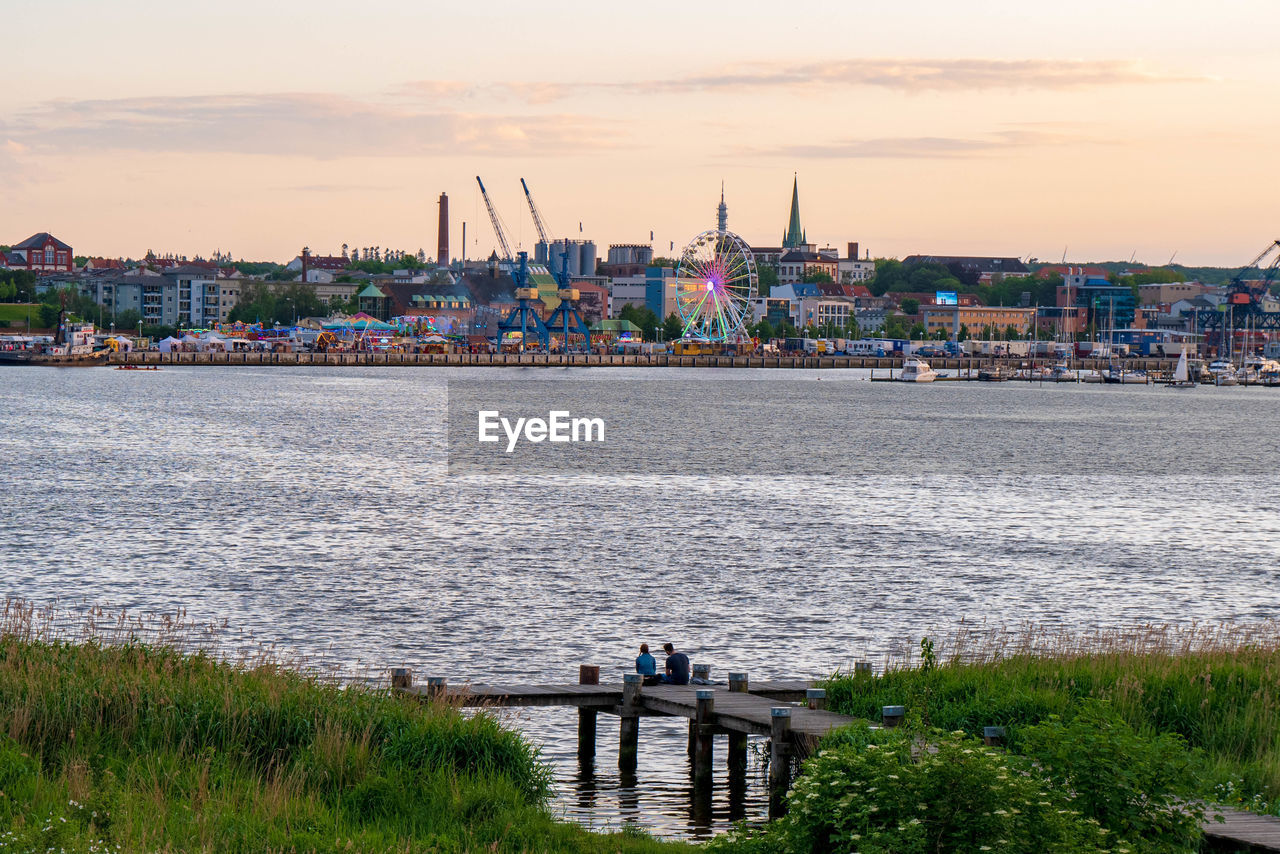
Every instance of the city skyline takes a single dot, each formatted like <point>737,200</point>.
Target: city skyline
<point>1103,132</point>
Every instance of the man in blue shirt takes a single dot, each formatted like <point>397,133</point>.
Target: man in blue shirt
<point>646,666</point>
<point>677,666</point>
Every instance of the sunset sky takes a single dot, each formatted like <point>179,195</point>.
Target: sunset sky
<point>987,128</point>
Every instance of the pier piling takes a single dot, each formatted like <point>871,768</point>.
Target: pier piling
<point>737,758</point>
<point>816,698</point>
<point>401,677</point>
<point>704,752</point>
<point>891,716</point>
<point>587,675</point>
<point>779,759</point>
<point>629,722</point>
<point>993,736</point>
<point>437,687</point>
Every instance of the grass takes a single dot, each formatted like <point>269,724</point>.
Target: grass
<point>134,747</point>
<point>16,314</point>
<point>1216,686</point>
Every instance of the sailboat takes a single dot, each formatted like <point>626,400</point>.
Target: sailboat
<point>1181,376</point>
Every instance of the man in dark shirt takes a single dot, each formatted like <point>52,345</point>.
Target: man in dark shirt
<point>677,666</point>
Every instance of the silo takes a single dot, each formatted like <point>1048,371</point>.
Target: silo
<point>588,258</point>
<point>541,252</point>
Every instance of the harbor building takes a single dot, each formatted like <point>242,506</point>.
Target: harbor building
<point>949,318</point>
<point>1105,305</point>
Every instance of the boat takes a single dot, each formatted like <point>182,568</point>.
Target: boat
<point>995,374</point>
<point>917,371</point>
<point>1181,375</point>
<point>1223,372</point>
<point>1269,372</point>
<point>1062,373</point>
<point>1090,376</point>
<point>137,367</point>
<point>72,346</point>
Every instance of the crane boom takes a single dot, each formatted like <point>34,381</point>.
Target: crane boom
<point>537,218</point>
<point>497,225</point>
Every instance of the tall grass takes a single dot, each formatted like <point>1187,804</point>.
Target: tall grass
<point>110,744</point>
<point>1218,686</point>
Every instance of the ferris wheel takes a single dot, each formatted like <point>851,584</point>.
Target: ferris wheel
<point>715,285</point>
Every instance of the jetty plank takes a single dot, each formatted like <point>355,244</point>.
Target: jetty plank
<point>1242,831</point>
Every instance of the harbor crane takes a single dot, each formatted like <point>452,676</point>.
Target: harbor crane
<point>524,318</point>
<point>1243,312</point>
<point>566,319</point>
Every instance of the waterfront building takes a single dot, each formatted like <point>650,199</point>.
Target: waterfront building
<point>943,318</point>
<point>1170,292</point>
<point>656,290</point>
<point>1105,305</point>
<point>826,310</point>
<point>40,253</point>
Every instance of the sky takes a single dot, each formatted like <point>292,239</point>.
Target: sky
<point>1087,130</point>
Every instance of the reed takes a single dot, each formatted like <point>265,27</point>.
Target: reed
<point>1216,685</point>
<point>108,743</point>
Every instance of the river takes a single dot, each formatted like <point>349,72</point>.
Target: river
<point>783,523</point>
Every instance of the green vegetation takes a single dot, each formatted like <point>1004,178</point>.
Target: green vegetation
<point>138,748</point>
<point>643,317</point>
<point>15,314</point>
<point>1218,691</point>
<point>268,304</point>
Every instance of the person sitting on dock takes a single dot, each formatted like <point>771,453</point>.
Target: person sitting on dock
<point>677,666</point>
<point>647,666</point>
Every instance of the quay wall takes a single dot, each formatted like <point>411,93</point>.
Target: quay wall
<point>560,360</point>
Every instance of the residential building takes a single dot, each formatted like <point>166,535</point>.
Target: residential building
<point>656,290</point>
<point>797,264</point>
<point>1169,293</point>
<point>854,269</point>
<point>40,253</point>
<point>822,311</point>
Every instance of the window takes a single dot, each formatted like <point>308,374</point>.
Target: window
<point>48,255</point>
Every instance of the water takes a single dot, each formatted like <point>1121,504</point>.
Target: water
<point>783,523</point>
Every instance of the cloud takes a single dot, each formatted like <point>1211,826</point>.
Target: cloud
<point>918,75</point>
<point>903,75</point>
<point>917,147</point>
<point>294,124</point>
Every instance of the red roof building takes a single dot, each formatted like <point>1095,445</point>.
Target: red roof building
<point>40,253</point>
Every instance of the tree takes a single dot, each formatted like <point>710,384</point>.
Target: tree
<point>672,327</point>
<point>643,317</point>
<point>910,305</point>
<point>764,329</point>
<point>1011,333</point>
<point>817,277</point>
<point>768,278</point>
<point>895,326</point>
<point>963,334</point>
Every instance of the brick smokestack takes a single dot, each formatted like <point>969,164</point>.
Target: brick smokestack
<point>442,253</point>
<point>853,251</point>
<point>306,261</point>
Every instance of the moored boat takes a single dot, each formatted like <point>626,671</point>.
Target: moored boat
<point>917,371</point>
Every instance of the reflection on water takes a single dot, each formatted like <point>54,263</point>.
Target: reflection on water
<point>314,508</point>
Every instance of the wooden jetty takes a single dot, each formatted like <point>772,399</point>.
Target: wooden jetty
<point>792,713</point>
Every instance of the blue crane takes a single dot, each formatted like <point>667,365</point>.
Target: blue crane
<point>524,318</point>
<point>566,319</point>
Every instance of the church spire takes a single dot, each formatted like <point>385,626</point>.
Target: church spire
<point>722,212</point>
<point>794,236</point>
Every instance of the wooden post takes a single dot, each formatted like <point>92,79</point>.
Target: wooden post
<point>437,687</point>
<point>629,722</point>
<point>587,675</point>
<point>738,683</point>
<point>703,756</point>
<point>702,671</point>
<point>779,760</point>
<point>401,678</point>
<point>993,736</point>
<point>862,669</point>
<point>891,716</point>
<point>816,697</point>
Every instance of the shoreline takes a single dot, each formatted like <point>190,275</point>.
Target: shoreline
<point>565,360</point>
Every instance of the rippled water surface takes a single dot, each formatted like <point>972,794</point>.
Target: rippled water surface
<point>794,521</point>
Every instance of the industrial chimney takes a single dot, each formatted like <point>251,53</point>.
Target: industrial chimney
<point>442,257</point>
<point>853,251</point>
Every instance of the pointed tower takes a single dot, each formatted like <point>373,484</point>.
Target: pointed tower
<point>722,212</point>
<point>794,236</point>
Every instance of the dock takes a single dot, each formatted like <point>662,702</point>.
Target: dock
<point>791,713</point>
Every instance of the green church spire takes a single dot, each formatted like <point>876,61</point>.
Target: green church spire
<point>794,236</point>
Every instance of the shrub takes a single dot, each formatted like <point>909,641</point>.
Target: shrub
<point>891,793</point>
<point>1132,785</point>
